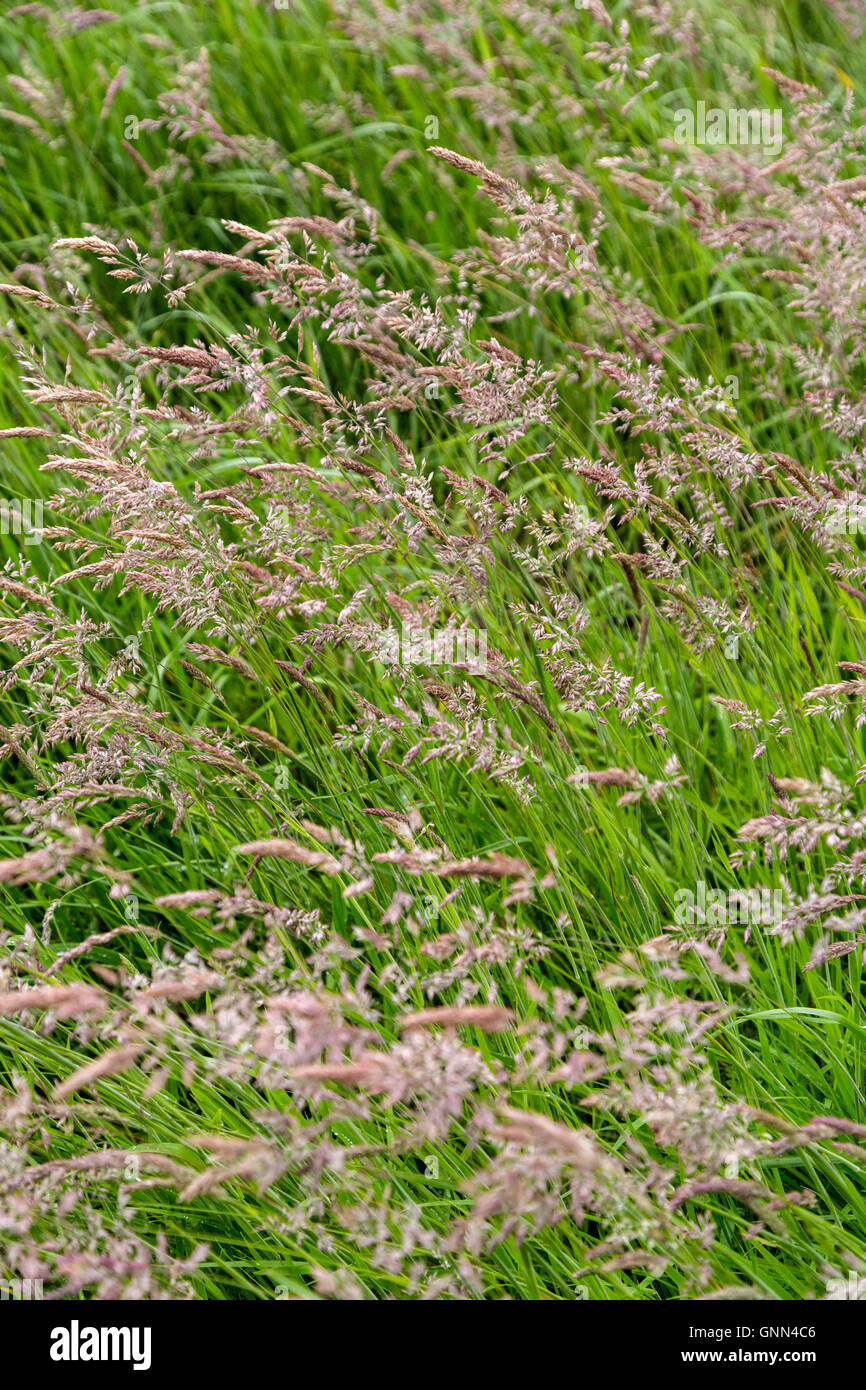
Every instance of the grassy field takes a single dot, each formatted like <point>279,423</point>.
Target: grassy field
<point>432,842</point>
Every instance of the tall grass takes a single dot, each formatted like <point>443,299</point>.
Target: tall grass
<point>432,631</point>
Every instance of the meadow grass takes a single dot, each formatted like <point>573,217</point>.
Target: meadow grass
<point>416,1179</point>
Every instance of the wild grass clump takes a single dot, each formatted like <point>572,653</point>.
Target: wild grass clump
<point>433,846</point>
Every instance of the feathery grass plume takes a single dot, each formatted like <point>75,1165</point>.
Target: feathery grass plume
<point>431,602</point>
